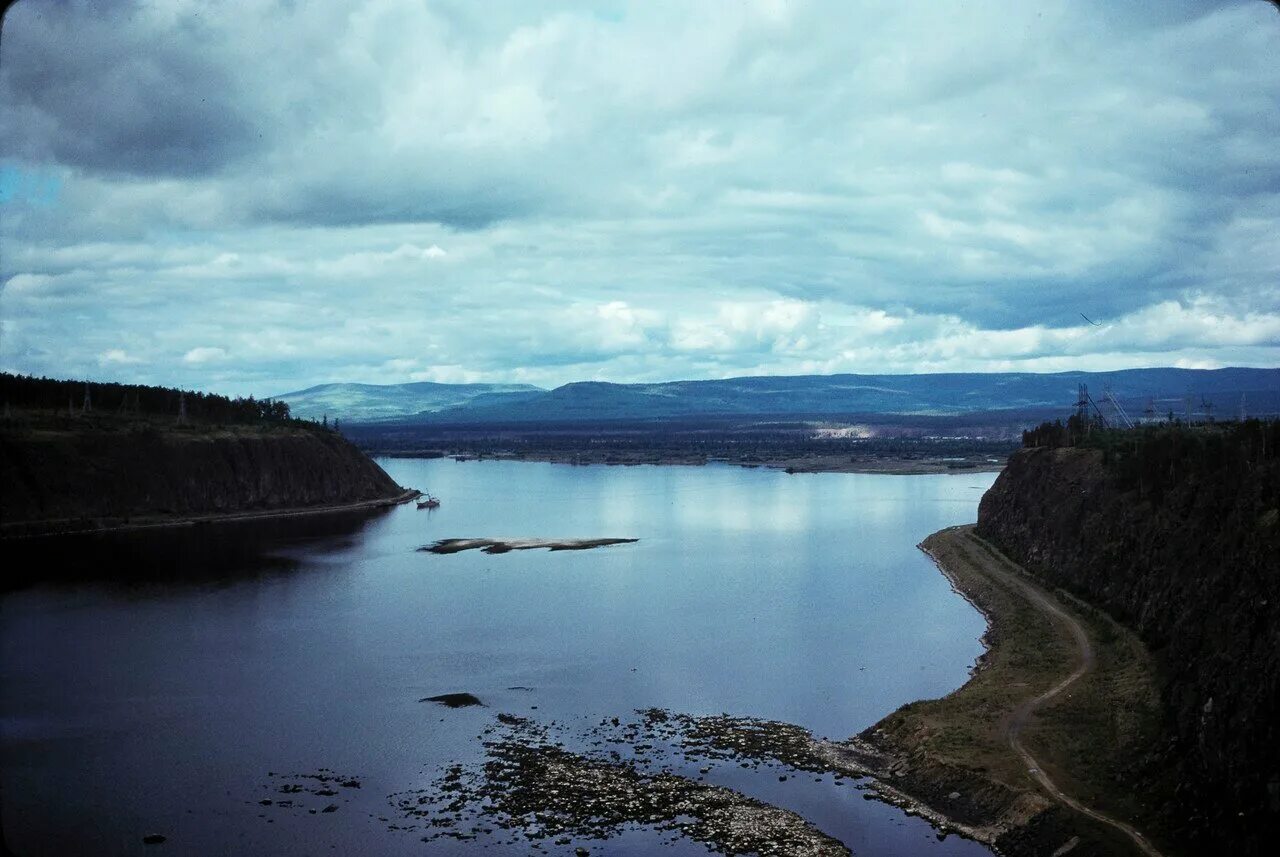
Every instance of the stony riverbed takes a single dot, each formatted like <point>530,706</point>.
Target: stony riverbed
<point>533,789</point>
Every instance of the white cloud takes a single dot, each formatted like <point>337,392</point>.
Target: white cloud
<point>29,283</point>
<point>204,354</point>
<point>117,356</point>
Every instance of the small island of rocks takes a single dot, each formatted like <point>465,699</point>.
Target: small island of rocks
<point>505,545</point>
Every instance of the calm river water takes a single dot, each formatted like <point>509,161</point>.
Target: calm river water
<point>166,704</point>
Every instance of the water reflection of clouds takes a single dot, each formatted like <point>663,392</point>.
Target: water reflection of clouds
<point>800,597</point>
<point>763,502</point>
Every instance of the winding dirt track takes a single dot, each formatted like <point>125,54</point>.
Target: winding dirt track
<point>1013,727</point>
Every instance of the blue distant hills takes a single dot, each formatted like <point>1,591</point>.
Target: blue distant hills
<point>374,402</point>
<point>943,394</point>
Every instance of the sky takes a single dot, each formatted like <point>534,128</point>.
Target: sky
<point>256,197</point>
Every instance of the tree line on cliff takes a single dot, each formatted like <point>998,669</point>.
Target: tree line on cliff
<point>26,392</point>
<point>1153,458</point>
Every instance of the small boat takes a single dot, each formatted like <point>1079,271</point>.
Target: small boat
<point>428,502</point>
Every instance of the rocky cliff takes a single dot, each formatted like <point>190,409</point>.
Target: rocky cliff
<point>1190,559</point>
<point>68,479</point>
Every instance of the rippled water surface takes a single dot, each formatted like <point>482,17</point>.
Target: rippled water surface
<point>240,652</point>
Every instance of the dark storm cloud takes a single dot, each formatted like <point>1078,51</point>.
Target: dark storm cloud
<point>92,86</point>
<point>344,204</point>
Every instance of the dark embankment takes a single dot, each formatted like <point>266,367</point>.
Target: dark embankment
<point>1174,532</point>
<point>84,456</point>
<point>92,476</point>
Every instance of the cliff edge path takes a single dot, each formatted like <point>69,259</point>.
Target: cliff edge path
<point>1005,568</point>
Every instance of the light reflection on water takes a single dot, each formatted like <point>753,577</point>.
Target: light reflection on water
<point>162,705</point>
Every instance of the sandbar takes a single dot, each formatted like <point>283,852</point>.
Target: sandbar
<point>505,545</point>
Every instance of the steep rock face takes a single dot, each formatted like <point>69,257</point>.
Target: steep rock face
<point>105,475</point>
<point>1197,574</point>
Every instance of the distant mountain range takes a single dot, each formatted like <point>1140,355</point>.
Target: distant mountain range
<point>372,402</point>
<point>808,395</point>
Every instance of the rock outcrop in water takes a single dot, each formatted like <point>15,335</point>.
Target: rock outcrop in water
<point>77,478</point>
<point>1189,556</point>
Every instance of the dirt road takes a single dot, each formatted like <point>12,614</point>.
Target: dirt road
<point>1044,602</point>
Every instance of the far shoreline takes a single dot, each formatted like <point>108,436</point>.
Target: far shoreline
<point>925,466</point>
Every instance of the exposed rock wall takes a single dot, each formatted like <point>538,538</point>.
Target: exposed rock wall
<point>1197,574</point>
<point>109,476</point>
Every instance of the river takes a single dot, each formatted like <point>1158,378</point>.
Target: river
<point>171,701</point>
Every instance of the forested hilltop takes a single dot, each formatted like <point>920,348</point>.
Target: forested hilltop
<point>1173,529</point>
<point>43,397</point>
<point>1151,459</point>
<point>78,455</point>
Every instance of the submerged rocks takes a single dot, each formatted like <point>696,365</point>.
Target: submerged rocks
<point>536,791</point>
<point>323,783</point>
<point>545,783</point>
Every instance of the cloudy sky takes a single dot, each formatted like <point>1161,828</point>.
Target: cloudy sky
<point>254,197</point>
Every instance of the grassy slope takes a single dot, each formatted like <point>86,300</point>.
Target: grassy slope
<point>1083,739</point>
